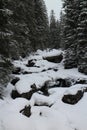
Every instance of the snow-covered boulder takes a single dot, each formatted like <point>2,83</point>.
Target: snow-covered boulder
<point>16,70</point>
<point>55,59</point>
<point>15,80</point>
<point>73,99</point>
<point>26,111</point>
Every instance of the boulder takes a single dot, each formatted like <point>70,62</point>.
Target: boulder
<point>45,88</point>
<point>15,94</point>
<point>16,70</point>
<point>55,59</point>
<point>30,63</point>
<point>43,104</point>
<point>26,95</point>
<point>15,80</point>
<point>73,99</point>
<point>43,70</point>
<point>62,82</point>
<point>26,72</point>
<point>81,81</point>
<point>26,111</point>
<point>55,69</point>
<point>85,89</point>
<point>29,94</point>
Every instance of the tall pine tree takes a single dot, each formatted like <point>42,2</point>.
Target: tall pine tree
<point>18,26</point>
<point>42,26</point>
<point>82,37</point>
<point>70,33</point>
<point>62,25</point>
<point>54,31</point>
<point>4,32</point>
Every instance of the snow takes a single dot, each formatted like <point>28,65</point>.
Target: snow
<point>47,112</point>
<point>24,85</point>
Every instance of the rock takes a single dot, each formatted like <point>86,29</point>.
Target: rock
<point>26,95</point>
<point>81,81</point>
<point>46,69</point>
<point>49,69</point>
<point>43,70</point>
<point>63,82</point>
<point>34,87</point>
<point>15,80</point>
<point>29,94</point>
<point>26,111</point>
<point>43,104</point>
<point>15,94</point>
<point>30,63</point>
<point>73,99</point>
<point>55,69</point>
<point>55,59</point>
<point>26,72</point>
<point>85,89</point>
<point>45,88</point>
<point>16,70</point>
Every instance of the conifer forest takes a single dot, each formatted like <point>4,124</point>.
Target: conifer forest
<point>43,66</point>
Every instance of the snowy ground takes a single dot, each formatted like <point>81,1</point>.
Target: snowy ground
<point>60,116</point>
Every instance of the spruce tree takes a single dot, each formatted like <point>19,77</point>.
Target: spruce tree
<point>70,33</point>
<point>4,32</point>
<point>54,31</point>
<point>42,27</point>
<point>62,25</point>
<point>82,37</point>
<point>20,38</point>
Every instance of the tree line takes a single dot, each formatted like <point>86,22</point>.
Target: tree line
<point>24,27</point>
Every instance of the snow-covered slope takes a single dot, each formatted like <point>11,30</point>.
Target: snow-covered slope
<point>47,112</point>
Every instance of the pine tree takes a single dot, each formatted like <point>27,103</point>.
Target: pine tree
<point>54,31</point>
<point>82,37</point>
<point>4,32</point>
<point>31,22</point>
<point>58,34</point>
<point>62,24</point>
<point>42,27</point>
<point>70,33</point>
<point>18,26</point>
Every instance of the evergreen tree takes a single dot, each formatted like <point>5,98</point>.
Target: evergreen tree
<point>54,31</point>
<point>42,27</point>
<point>20,38</point>
<point>4,32</point>
<point>62,24</point>
<point>70,33</point>
<point>31,22</point>
<point>82,37</point>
